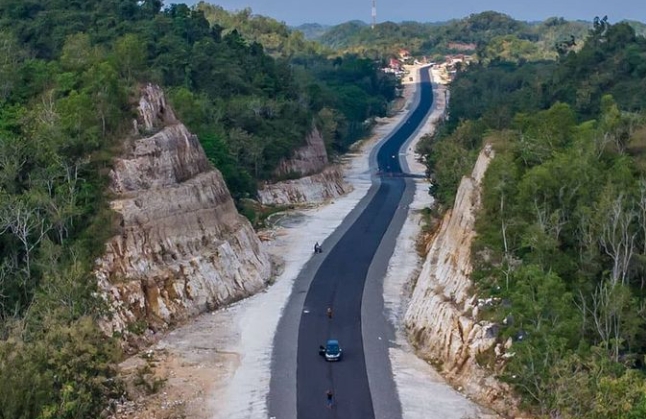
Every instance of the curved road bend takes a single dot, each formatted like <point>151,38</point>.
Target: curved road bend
<point>336,279</point>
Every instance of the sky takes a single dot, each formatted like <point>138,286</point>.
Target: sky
<point>296,12</point>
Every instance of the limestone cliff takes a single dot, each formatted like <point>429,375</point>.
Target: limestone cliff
<point>442,317</point>
<point>316,182</point>
<point>182,247</point>
<point>306,160</point>
<point>316,188</point>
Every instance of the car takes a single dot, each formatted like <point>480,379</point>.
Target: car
<point>331,351</point>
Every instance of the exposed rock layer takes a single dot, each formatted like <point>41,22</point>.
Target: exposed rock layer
<point>182,248</point>
<point>317,182</point>
<point>441,319</point>
<point>316,188</point>
<point>306,160</point>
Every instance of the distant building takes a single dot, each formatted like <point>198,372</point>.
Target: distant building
<point>404,54</point>
<point>453,62</point>
<point>395,67</point>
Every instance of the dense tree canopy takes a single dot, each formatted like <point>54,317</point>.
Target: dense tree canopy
<point>561,236</point>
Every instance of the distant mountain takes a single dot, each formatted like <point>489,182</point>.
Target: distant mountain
<point>511,39</point>
<point>343,35</point>
<point>639,27</point>
<point>312,31</point>
<point>276,37</point>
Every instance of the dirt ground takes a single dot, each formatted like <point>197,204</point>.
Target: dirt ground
<point>173,378</point>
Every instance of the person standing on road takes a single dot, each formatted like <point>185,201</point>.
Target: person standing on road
<point>329,312</point>
<point>330,398</point>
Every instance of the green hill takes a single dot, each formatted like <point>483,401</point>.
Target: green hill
<point>561,234</point>
<point>509,38</point>
<point>312,31</point>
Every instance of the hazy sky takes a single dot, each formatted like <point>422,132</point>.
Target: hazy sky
<point>295,12</point>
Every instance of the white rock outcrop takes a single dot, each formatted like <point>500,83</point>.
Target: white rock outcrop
<point>182,248</point>
<point>317,188</point>
<point>306,160</point>
<point>317,181</point>
<point>442,316</point>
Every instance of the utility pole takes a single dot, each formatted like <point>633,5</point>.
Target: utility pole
<point>374,13</point>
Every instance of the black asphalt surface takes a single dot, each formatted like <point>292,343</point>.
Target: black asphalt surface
<point>338,281</point>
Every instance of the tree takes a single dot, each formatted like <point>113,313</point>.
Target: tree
<point>11,59</point>
<point>12,162</point>
<point>67,373</point>
<point>130,56</point>
<point>102,86</point>
<point>27,224</point>
<point>618,237</point>
<point>78,53</point>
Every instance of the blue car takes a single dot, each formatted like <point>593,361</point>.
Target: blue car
<point>331,351</point>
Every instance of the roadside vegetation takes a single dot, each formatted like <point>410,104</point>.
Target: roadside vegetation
<point>561,236</point>
<point>69,78</point>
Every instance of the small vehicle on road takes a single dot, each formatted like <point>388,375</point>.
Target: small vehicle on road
<point>331,351</point>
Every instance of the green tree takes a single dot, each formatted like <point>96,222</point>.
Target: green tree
<point>130,57</point>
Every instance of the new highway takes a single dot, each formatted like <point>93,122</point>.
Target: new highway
<point>340,278</point>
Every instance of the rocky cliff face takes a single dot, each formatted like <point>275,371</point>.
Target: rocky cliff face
<point>442,318</point>
<point>317,181</point>
<point>182,248</point>
<point>316,188</point>
<point>306,160</point>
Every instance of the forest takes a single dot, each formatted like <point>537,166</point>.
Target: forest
<point>561,235</point>
<point>489,34</point>
<point>70,73</point>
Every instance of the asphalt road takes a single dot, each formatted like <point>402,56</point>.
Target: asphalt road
<point>336,279</point>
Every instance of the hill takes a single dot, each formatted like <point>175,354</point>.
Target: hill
<point>312,31</point>
<point>561,233</point>
<point>505,36</point>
